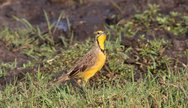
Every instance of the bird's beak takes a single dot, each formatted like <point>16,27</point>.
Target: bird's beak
<point>95,33</point>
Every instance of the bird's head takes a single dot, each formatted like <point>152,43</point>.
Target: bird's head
<point>100,38</point>
<point>100,35</point>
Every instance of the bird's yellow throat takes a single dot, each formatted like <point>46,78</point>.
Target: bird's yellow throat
<point>100,40</point>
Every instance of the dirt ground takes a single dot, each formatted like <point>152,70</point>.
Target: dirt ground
<point>85,16</point>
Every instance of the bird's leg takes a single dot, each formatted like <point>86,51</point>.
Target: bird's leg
<point>81,82</point>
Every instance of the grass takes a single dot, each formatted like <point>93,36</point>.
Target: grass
<point>145,93</point>
<point>162,81</point>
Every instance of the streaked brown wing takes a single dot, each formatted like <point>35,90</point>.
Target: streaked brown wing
<point>83,64</point>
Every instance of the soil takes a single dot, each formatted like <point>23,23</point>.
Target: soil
<point>85,17</point>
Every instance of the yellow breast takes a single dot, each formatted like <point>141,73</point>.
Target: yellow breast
<point>101,58</point>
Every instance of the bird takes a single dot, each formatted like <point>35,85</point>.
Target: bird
<point>88,65</point>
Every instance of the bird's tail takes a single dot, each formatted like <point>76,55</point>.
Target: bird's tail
<point>61,79</point>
